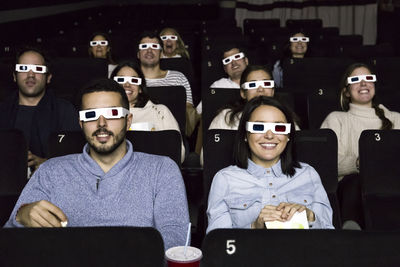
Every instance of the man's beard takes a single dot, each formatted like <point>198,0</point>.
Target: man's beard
<point>105,150</point>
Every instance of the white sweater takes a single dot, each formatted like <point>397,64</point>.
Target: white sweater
<point>348,127</point>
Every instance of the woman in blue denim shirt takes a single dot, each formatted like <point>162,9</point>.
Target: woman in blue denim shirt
<point>267,183</point>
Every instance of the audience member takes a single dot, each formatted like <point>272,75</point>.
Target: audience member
<point>149,54</point>
<point>100,47</point>
<point>239,197</point>
<point>173,45</point>
<point>146,115</point>
<point>33,108</point>
<point>255,81</point>
<point>234,61</point>
<point>108,184</point>
<point>361,111</point>
<point>296,48</point>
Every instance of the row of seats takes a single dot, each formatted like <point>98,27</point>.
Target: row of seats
<point>378,150</point>
<point>125,246</point>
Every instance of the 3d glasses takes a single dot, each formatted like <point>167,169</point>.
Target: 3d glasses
<point>299,39</point>
<point>101,43</point>
<point>149,45</point>
<point>129,79</point>
<point>108,113</point>
<point>357,79</point>
<point>28,67</point>
<point>237,56</point>
<point>256,84</point>
<point>263,127</point>
<point>169,37</point>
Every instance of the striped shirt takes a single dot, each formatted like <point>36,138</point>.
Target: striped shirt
<point>173,78</point>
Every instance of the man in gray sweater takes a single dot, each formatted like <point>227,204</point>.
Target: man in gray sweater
<point>109,184</point>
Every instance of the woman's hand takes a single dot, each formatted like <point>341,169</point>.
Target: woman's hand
<point>268,213</point>
<point>289,209</point>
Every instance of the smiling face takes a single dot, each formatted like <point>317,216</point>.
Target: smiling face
<point>99,51</point>
<point>105,136</point>
<point>132,91</point>
<point>363,92</point>
<point>257,75</point>
<point>236,67</point>
<point>149,57</point>
<point>298,49</point>
<point>169,46</point>
<point>266,148</point>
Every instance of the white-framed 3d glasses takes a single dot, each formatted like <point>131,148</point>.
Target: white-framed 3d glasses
<point>108,113</point>
<point>358,78</point>
<point>101,43</point>
<point>299,39</point>
<point>237,56</point>
<point>149,45</point>
<point>169,37</point>
<point>129,79</point>
<point>263,127</point>
<point>28,67</point>
<point>255,84</point>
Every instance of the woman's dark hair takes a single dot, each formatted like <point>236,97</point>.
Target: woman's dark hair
<point>108,55</point>
<point>345,98</point>
<point>236,107</point>
<point>242,151</point>
<point>143,96</point>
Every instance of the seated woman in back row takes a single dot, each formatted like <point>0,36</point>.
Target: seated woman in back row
<point>255,81</point>
<point>267,183</point>
<point>361,111</point>
<point>147,116</point>
<point>100,47</point>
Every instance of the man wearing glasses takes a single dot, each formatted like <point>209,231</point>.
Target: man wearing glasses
<point>108,184</point>
<point>33,108</point>
<point>149,54</point>
<point>234,61</point>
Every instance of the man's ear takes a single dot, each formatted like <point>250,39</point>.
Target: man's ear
<point>246,60</point>
<point>14,77</point>
<point>81,124</point>
<point>129,121</point>
<point>48,79</point>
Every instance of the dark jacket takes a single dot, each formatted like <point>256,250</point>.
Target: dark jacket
<point>52,114</point>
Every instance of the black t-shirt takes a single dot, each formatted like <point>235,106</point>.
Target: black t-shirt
<point>23,121</point>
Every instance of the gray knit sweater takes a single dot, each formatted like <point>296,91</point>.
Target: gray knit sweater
<point>140,190</point>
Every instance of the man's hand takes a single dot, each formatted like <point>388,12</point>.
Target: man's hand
<point>289,209</point>
<point>268,213</point>
<point>40,214</point>
<point>34,160</point>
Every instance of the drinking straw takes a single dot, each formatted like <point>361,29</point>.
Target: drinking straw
<point>187,239</point>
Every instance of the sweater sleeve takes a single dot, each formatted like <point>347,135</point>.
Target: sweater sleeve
<point>38,188</point>
<point>171,215</point>
<point>346,158</point>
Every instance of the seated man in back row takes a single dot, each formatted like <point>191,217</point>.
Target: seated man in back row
<point>109,184</point>
<point>33,108</point>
